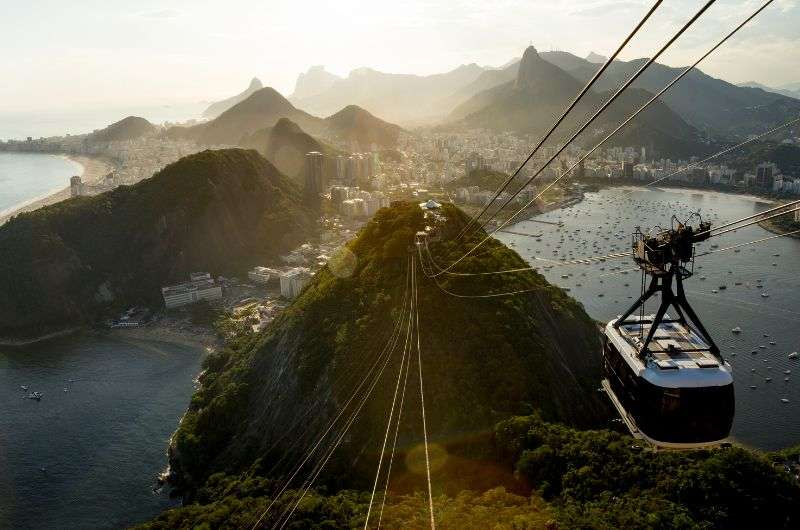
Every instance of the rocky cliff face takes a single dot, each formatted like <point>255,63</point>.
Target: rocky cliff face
<point>72,262</point>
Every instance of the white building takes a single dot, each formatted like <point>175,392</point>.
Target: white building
<point>201,286</point>
<point>293,281</point>
<point>261,275</point>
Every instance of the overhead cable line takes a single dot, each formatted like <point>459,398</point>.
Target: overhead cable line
<point>335,445</point>
<point>603,107</point>
<point>740,245</point>
<point>724,151</point>
<point>754,216</point>
<point>591,260</point>
<point>568,171</point>
<point>403,362</point>
<point>386,349</point>
<point>755,221</point>
<point>396,431</point>
<point>422,397</point>
<point>564,114</point>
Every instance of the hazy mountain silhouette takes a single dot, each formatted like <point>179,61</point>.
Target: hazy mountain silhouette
<point>215,109</point>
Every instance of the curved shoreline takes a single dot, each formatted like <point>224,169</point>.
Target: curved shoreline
<point>94,169</point>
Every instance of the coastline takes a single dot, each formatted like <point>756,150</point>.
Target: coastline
<point>94,169</point>
<point>14,343</point>
<point>772,226</point>
<point>196,337</point>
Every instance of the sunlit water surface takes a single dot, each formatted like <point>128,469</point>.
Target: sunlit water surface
<point>602,224</point>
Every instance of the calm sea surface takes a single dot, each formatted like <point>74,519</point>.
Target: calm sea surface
<point>20,125</point>
<point>603,223</point>
<point>27,176</point>
<point>87,455</point>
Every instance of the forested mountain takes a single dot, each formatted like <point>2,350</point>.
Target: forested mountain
<point>540,92</point>
<point>286,146</point>
<point>711,105</point>
<point>265,107</point>
<point>73,262</point>
<point>484,359</point>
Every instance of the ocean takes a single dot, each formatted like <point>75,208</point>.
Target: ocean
<point>87,455</point>
<point>28,176</point>
<point>20,125</point>
<point>603,223</point>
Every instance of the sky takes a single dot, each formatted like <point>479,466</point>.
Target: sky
<point>83,54</point>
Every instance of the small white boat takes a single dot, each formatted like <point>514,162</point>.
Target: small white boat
<point>737,329</point>
<point>784,400</point>
<point>24,387</point>
<point>764,295</point>
<point>793,355</point>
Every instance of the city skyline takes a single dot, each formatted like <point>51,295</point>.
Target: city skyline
<point>110,54</point>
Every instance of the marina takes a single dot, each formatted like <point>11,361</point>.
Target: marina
<point>758,298</point>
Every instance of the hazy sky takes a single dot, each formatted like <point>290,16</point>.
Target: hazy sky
<point>82,53</point>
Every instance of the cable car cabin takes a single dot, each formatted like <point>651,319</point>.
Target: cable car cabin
<point>678,393</point>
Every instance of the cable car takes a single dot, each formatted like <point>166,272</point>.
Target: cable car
<point>677,395</point>
<point>666,376</point>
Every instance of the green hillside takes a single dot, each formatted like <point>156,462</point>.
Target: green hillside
<point>567,479</point>
<point>264,108</point>
<point>485,179</point>
<point>355,125</point>
<point>485,359</point>
<point>286,145</point>
<point>72,262</point>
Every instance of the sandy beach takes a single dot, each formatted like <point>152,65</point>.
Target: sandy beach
<point>193,336</point>
<point>94,169</point>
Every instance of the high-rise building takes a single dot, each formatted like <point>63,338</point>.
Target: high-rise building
<point>627,170</point>
<point>474,161</point>
<point>75,186</point>
<point>765,175</point>
<point>314,173</point>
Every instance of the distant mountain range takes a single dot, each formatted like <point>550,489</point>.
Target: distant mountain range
<point>315,81</point>
<point>792,90</point>
<point>215,109</point>
<point>541,90</point>
<point>712,106</point>
<point>82,259</point>
<point>400,98</point>
<point>265,107</point>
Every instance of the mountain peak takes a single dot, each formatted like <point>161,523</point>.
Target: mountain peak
<point>315,81</point>
<point>217,108</point>
<point>285,125</point>
<point>530,67</point>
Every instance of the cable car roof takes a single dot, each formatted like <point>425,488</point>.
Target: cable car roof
<point>677,356</point>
